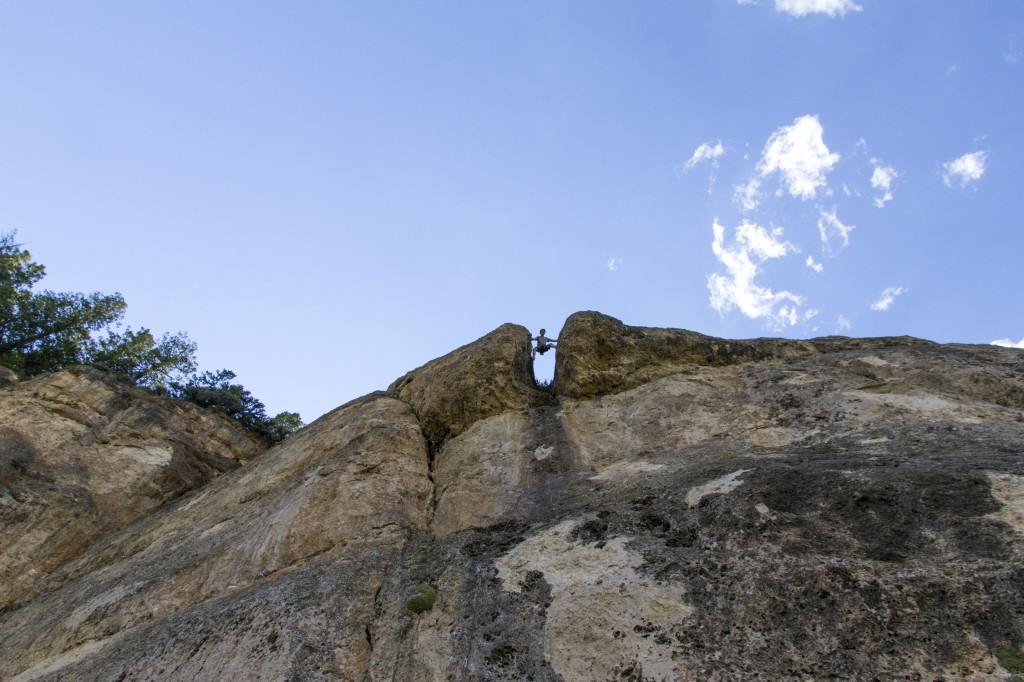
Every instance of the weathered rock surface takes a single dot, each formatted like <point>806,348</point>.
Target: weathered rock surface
<point>490,376</point>
<point>82,455</point>
<point>677,507</point>
<point>600,355</point>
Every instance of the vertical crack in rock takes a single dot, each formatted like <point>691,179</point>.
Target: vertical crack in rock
<point>431,459</point>
<point>555,459</point>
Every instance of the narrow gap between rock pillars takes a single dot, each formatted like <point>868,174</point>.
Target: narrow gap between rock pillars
<point>542,365</point>
<point>544,370</point>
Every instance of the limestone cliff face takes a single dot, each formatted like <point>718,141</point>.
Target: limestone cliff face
<point>82,455</point>
<point>676,507</point>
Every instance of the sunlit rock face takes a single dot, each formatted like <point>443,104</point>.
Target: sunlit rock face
<point>674,507</point>
<point>82,455</point>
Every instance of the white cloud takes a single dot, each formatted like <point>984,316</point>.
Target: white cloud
<point>817,267</point>
<point>967,168</point>
<point>799,8</point>
<point>613,264</point>
<point>760,242</point>
<point>799,153</point>
<point>752,245</point>
<point>705,152</point>
<point>842,324</point>
<point>882,179</point>
<point>832,229</point>
<point>885,300</point>
<point>748,196</point>
<point>1008,343</point>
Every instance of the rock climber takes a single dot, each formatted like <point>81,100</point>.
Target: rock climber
<point>544,344</point>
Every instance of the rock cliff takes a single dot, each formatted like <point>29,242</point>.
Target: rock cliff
<point>82,455</point>
<point>673,507</point>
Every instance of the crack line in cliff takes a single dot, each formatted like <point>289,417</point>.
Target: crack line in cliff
<point>432,452</point>
<point>548,475</point>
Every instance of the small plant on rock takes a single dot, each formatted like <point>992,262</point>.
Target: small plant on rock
<point>1010,658</point>
<point>423,600</point>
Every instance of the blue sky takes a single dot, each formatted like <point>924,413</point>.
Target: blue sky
<point>325,195</point>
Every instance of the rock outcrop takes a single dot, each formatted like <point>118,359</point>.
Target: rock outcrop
<point>674,507</point>
<point>491,376</point>
<point>82,455</point>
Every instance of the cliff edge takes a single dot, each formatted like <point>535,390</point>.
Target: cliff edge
<point>673,507</point>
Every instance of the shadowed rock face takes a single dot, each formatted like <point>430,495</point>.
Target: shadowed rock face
<point>677,507</point>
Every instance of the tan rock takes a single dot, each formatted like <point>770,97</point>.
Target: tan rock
<point>269,569</point>
<point>677,507</point>
<point>598,598</point>
<point>7,376</point>
<point>598,354</point>
<point>487,377</point>
<point>82,455</point>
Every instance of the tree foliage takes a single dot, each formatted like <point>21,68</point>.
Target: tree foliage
<point>215,390</point>
<point>142,359</point>
<point>45,331</point>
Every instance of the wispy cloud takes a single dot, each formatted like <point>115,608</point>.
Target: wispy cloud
<point>1012,55</point>
<point>832,230</point>
<point>799,8</point>
<point>613,264</point>
<point>738,288</point>
<point>810,262</point>
<point>705,152</point>
<point>748,196</point>
<point>964,170</point>
<point>882,179</point>
<point>799,153</point>
<point>887,297</point>
<point>843,324</point>
<point>1008,343</point>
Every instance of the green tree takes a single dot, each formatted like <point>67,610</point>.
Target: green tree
<point>47,330</point>
<point>283,425</point>
<point>143,360</point>
<point>214,390</point>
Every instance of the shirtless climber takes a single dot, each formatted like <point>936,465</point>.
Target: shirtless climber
<point>544,344</point>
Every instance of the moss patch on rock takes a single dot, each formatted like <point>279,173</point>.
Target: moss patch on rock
<point>423,600</point>
<point>1009,658</point>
